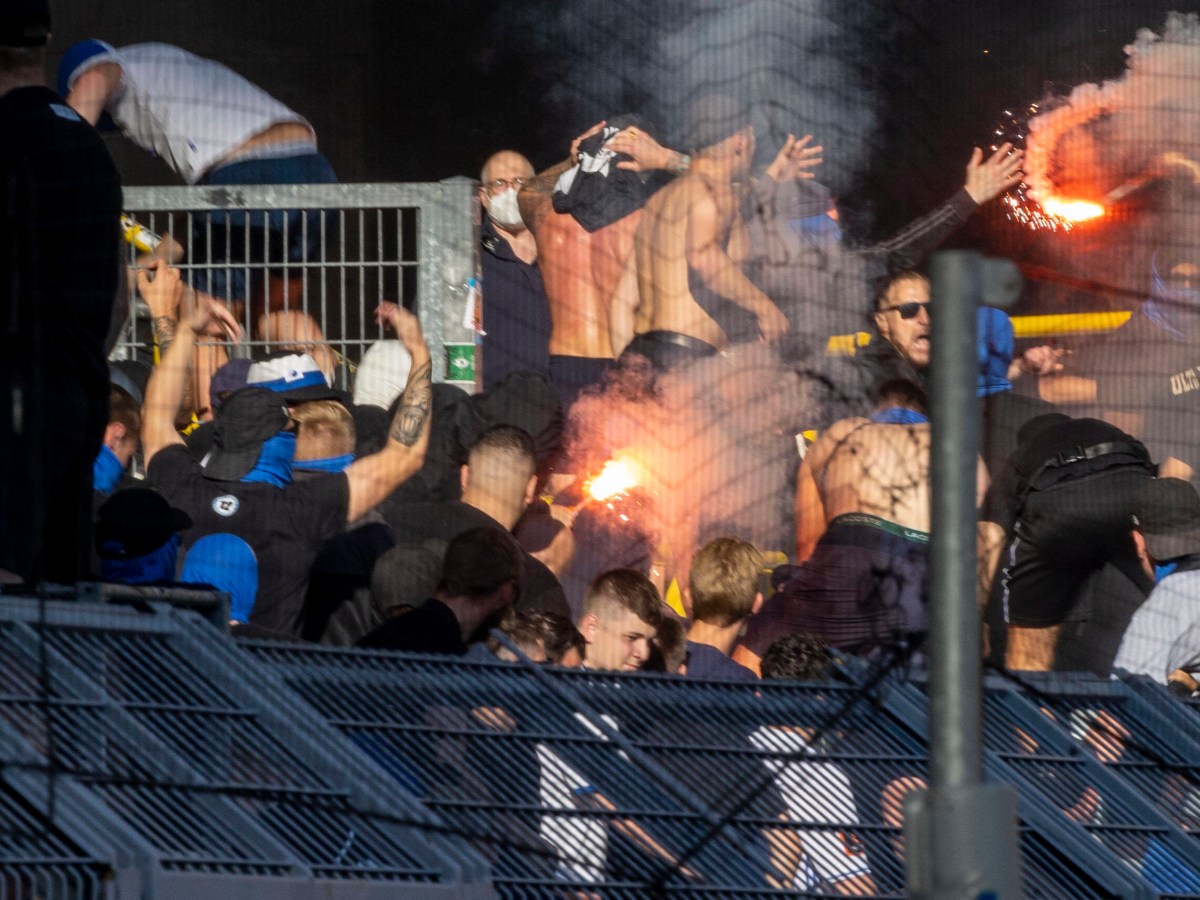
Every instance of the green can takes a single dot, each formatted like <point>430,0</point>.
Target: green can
<point>460,362</point>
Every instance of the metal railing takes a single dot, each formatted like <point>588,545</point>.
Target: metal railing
<point>325,252</point>
<point>144,754</point>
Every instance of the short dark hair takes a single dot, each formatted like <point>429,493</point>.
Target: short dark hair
<point>525,633</point>
<point>900,392</point>
<point>559,634</point>
<point>628,590</point>
<point>885,286</point>
<point>479,561</point>
<point>801,657</point>
<point>506,439</point>
<point>122,408</point>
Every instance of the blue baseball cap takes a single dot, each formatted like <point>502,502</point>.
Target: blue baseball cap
<point>72,64</point>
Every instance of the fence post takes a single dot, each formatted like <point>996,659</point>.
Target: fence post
<point>961,834</point>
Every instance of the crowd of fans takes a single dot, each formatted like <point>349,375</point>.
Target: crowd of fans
<point>412,516</point>
<point>371,517</point>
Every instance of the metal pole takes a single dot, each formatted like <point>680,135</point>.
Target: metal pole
<point>954,636</point>
<point>962,833</point>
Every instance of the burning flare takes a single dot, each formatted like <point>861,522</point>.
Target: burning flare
<point>1072,210</point>
<point>616,477</point>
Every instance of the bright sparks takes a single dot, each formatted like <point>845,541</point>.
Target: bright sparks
<point>1053,215</point>
<point>1073,210</point>
<point>617,477</point>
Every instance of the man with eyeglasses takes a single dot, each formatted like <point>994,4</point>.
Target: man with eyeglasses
<point>516,313</point>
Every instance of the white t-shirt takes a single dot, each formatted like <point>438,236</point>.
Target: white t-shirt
<point>580,842</point>
<point>816,792</point>
<point>191,111</point>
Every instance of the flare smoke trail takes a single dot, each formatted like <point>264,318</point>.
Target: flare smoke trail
<point>804,66</point>
<point>1132,144</point>
<point>1103,138</point>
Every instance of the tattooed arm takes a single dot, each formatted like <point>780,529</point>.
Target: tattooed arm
<point>374,477</point>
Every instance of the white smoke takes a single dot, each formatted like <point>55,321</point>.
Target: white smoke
<point>714,449</point>
<point>1103,138</point>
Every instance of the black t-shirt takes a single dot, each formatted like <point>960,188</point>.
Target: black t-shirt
<point>1142,371</point>
<point>284,527</point>
<point>430,628</point>
<point>60,234</point>
<point>516,313</point>
<point>704,661</point>
<point>419,523</point>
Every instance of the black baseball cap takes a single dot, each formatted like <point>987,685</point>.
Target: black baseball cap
<point>136,521</point>
<point>243,423</point>
<point>24,23</point>
<point>1167,513</point>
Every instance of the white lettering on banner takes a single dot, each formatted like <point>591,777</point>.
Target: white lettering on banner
<point>1185,382</point>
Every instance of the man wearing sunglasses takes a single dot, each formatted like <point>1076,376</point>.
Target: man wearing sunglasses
<point>902,320</point>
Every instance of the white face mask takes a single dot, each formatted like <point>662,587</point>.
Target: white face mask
<point>504,211</point>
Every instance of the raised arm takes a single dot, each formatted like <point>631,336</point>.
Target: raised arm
<point>707,256</point>
<point>374,477</point>
<point>164,391</point>
<point>534,198</point>
<point>985,180</point>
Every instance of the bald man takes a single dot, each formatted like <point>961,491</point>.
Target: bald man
<point>516,313</point>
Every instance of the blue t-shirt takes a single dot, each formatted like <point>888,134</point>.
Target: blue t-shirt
<point>704,661</point>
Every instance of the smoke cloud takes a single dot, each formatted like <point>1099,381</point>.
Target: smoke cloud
<point>1132,143</point>
<point>802,66</point>
<point>714,448</point>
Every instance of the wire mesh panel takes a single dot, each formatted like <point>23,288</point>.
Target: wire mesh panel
<point>159,717</point>
<point>626,785</point>
<point>1147,745</point>
<point>304,266</point>
<point>38,860</point>
<point>1110,784</point>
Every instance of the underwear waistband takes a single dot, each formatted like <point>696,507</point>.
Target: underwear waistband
<point>869,521</point>
<point>686,341</point>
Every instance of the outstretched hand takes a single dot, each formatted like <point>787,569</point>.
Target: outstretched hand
<point>406,325</point>
<point>988,179</point>
<point>161,287</point>
<point>795,158</point>
<point>1044,359</point>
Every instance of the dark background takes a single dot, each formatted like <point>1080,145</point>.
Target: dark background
<point>420,90</point>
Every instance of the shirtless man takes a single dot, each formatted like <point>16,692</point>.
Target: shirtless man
<point>692,238</point>
<point>582,270</point>
<point>862,504</point>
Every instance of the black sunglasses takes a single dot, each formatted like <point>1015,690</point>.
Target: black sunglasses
<point>907,310</point>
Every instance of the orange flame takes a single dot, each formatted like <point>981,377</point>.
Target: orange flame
<point>617,476</point>
<point>1073,210</point>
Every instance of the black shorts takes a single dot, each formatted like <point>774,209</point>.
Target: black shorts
<point>1063,536</point>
